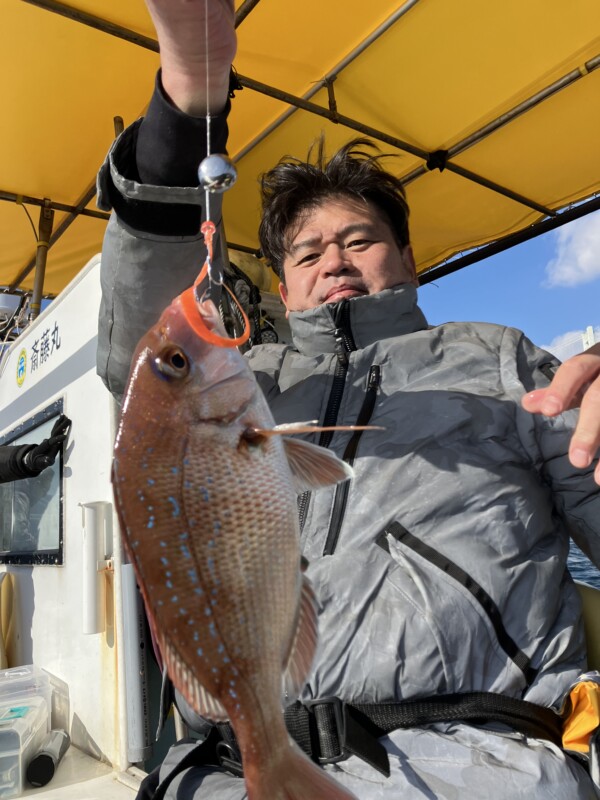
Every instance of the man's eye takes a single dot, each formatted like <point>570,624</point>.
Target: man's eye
<point>308,258</point>
<point>357,243</point>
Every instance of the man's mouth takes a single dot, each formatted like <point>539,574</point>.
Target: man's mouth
<point>340,292</point>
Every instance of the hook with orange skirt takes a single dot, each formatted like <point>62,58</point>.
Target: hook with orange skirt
<point>216,174</point>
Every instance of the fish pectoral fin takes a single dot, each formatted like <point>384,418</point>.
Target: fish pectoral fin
<point>186,683</point>
<point>313,466</point>
<point>303,646</point>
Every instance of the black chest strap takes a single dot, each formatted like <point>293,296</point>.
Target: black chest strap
<point>329,730</point>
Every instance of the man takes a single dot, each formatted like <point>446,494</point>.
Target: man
<point>440,569</point>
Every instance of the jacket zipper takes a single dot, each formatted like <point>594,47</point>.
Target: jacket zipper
<point>343,489</point>
<point>344,344</point>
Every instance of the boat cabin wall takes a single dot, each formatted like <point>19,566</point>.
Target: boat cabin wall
<point>69,606</point>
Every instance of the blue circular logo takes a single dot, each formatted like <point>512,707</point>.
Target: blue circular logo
<point>21,367</point>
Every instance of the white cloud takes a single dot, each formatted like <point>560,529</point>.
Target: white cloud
<point>570,344</point>
<point>577,258</point>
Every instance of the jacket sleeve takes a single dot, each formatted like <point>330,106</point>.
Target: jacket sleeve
<point>575,494</point>
<point>12,466</point>
<point>153,248</point>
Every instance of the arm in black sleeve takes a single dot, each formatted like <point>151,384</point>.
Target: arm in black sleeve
<point>12,462</point>
<point>166,149</point>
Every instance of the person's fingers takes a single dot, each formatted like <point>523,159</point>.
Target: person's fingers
<point>585,441</point>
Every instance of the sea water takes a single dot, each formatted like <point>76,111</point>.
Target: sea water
<point>581,567</point>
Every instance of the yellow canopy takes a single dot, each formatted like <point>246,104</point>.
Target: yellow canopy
<point>493,109</point>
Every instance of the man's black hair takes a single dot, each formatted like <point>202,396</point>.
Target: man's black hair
<point>294,187</point>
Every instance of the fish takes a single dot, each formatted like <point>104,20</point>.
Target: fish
<point>206,487</point>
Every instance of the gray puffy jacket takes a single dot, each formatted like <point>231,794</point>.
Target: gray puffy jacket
<point>442,566</point>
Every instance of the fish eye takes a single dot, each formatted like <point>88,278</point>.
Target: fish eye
<point>173,363</point>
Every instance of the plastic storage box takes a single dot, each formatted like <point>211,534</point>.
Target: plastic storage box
<point>24,682</point>
<point>25,708</point>
<point>23,725</point>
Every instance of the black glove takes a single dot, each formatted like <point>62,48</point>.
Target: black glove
<point>42,455</point>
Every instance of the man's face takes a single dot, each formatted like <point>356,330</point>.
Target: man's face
<point>342,248</point>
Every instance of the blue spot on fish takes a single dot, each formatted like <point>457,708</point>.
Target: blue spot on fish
<point>175,506</point>
<point>233,694</point>
<point>212,630</point>
<point>193,575</point>
<point>151,481</point>
<point>205,494</point>
<point>199,652</point>
<point>185,551</point>
<point>175,470</point>
<point>151,522</point>
<point>175,599</point>
<point>169,584</point>
<point>163,544</point>
<point>183,536</point>
<point>207,611</point>
<point>164,561</point>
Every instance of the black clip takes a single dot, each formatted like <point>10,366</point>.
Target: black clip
<point>353,737</point>
<point>230,758</point>
<point>437,160</point>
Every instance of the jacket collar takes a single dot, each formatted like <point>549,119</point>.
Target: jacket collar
<point>393,312</point>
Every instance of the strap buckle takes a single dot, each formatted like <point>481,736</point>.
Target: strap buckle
<point>343,732</point>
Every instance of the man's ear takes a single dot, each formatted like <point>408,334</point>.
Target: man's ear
<point>284,295</point>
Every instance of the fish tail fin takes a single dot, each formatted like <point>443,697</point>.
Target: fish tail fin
<point>296,777</point>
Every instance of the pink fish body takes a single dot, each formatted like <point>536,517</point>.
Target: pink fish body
<point>207,502</point>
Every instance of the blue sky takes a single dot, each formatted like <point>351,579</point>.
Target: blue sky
<point>548,287</point>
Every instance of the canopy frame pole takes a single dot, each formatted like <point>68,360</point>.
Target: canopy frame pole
<point>41,256</point>
<point>27,200</point>
<point>245,9</point>
<point>518,110</point>
<point>493,248</point>
<point>399,144</point>
<point>64,225</point>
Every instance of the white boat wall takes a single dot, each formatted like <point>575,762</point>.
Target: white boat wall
<point>69,604</point>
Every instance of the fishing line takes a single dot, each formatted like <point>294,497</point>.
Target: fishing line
<point>216,174</point>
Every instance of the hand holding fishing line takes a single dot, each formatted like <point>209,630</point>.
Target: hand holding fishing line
<point>184,28</point>
<point>197,45</point>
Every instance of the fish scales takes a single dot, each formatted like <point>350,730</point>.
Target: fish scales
<point>208,510</point>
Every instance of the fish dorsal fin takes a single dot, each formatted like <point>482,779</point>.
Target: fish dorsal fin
<point>303,646</point>
<point>200,700</point>
<point>313,466</point>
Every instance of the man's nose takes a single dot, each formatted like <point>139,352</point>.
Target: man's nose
<point>335,260</point>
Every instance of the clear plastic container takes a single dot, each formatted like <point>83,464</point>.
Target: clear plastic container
<point>23,725</point>
<point>24,682</point>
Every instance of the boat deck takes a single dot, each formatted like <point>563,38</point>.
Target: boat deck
<point>80,777</point>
